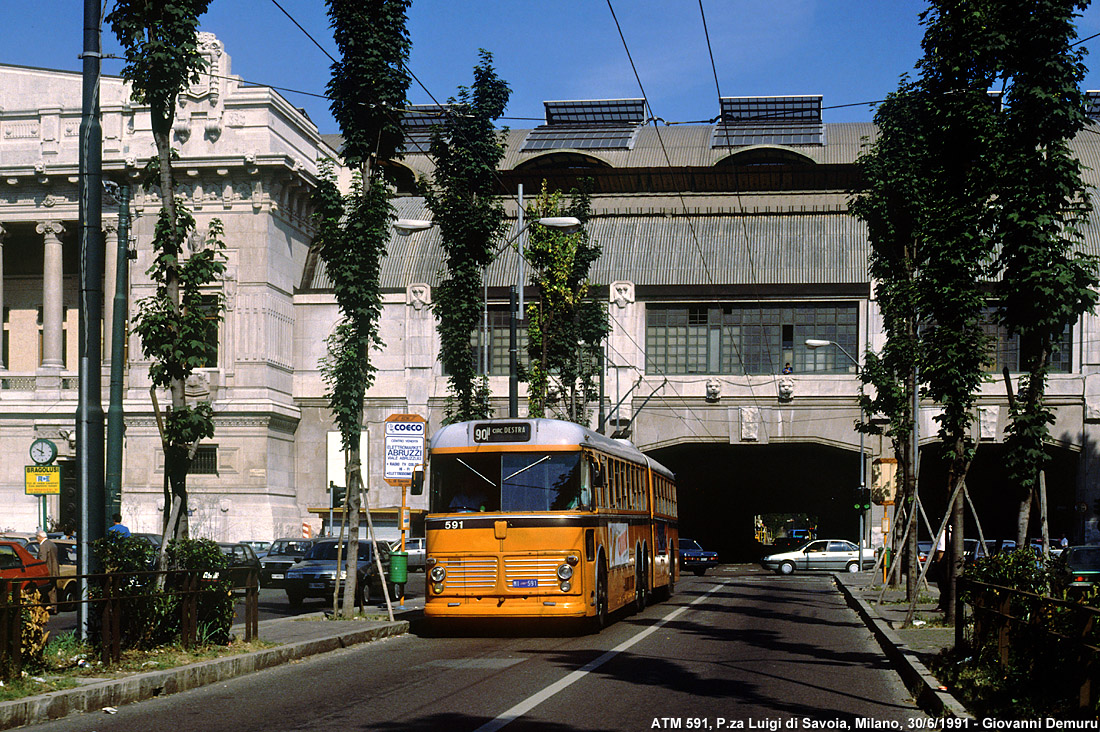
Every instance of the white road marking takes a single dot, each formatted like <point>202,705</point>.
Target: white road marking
<point>538,698</point>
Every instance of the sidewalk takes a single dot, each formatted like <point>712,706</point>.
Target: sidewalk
<point>296,638</point>
<point>909,649</point>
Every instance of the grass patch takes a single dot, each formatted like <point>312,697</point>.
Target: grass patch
<point>68,663</point>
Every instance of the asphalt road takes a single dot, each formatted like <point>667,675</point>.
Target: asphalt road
<point>738,647</point>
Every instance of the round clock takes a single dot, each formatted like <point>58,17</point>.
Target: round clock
<point>43,451</point>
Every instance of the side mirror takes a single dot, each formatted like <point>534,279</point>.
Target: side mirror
<point>416,487</point>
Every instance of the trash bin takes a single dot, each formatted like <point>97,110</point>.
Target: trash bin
<point>399,567</point>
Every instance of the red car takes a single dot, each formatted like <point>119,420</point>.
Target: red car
<point>17,563</point>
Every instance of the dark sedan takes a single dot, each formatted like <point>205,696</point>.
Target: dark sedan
<point>1083,565</point>
<point>315,575</point>
<point>283,554</point>
<point>695,558</point>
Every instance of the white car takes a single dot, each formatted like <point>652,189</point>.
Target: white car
<point>416,549</point>
<point>826,554</point>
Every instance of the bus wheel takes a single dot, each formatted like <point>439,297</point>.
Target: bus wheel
<point>600,620</point>
<point>639,586</point>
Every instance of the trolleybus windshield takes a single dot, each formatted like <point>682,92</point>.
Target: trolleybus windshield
<point>510,481</point>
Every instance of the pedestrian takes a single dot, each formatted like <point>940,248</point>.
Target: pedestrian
<point>47,552</point>
<point>118,527</point>
<point>1063,542</point>
<point>787,368</point>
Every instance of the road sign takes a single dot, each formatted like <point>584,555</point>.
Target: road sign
<point>404,447</point>
<point>43,480</point>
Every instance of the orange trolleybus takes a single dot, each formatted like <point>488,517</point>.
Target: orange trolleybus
<point>538,518</point>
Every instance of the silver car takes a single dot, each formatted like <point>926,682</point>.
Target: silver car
<point>826,554</point>
<point>415,548</point>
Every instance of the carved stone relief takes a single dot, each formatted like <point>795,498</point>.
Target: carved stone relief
<point>622,293</point>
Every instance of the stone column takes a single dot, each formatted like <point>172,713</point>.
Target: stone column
<point>52,293</point>
<point>110,247</point>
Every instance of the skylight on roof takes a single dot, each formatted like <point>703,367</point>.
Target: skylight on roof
<point>418,121</point>
<point>1092,105</point>
<point>596,111</point>
<point>594,124</point>
<point>793,120</point>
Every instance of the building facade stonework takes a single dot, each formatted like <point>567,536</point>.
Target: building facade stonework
<point>713,279</point>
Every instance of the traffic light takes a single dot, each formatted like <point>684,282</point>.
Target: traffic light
<point>862,499</point>
<point>338,493</point>
<point>416,486</point>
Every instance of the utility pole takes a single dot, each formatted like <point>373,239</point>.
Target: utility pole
<point>89,417</point>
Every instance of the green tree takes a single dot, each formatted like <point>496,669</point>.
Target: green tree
<point>565,326</point>
<point>1046,283</point>
<point>960,151</point>
<point>162,58</point>
<point>368,87</point>
<point>891,203</point>
<point>467,151</point>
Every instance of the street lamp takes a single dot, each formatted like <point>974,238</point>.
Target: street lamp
<point>814,343</point>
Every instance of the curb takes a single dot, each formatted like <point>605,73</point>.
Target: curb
<point>926,688</point>
<point>141,686</point>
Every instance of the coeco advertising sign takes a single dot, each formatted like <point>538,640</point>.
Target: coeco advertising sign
<point>404,447</point>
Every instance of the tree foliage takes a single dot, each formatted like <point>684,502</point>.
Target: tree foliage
<point>162,58</point>
<point>367,89</point>
<point>467,151</point>
<point>891,204</point>
<point>565,326</point>
<point>1046,283</point>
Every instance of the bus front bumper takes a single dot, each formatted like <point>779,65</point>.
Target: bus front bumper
<point>566,606</point>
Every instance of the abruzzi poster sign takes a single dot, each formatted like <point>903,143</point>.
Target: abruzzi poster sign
<point>404,447</point>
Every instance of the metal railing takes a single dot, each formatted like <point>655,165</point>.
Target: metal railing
<point>113,594</point>
<point>1035,627</point>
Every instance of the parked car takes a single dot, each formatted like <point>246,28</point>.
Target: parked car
<point>18,563</point>
<point>27,541</point>
<point>416,549</point>
<point>827,554</point>
<point>260,547</point>
<point>242,559</point>
<point>695,557</point>
<point>283,554</point>
<point>1083,565</point>
<point>315,574</point>
<point>68,587</point>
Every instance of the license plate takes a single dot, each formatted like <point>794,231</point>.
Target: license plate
<point>316,585</point>
<point>525,583</point>
<point>276,576</point>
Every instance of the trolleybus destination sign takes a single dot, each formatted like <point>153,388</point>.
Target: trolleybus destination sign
<point>404,447</point>
<point>502,432</point>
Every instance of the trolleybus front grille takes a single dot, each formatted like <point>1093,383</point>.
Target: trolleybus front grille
<point>543,569</point>
<point>471,573</point>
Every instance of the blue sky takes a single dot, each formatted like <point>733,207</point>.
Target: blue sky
<point>849,51</point>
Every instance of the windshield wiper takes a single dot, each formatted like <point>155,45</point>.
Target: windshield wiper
<point>460,460</point>
<point>544,458</point>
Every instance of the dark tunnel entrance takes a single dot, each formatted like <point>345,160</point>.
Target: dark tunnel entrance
<point>722,487</point>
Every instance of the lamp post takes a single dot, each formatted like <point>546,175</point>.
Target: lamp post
<point>814,343</point>
<point>405,227</point>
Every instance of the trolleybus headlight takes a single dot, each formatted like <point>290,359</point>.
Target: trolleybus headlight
<point>565,572</point>
<point>572,560</point>
<point>438,574</point>
<point>566,585</point>
<point>438,588</point>
<point>429,562</point>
